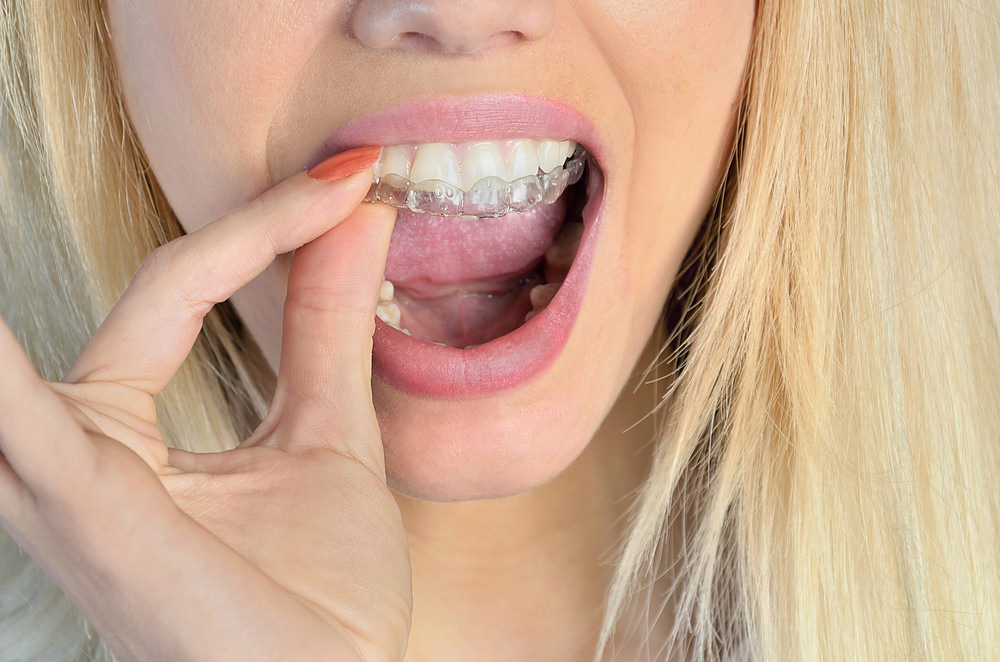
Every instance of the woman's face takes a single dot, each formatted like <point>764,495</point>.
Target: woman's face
<point>229,97</point>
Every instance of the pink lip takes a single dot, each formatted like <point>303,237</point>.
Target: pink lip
<point>428,370</point>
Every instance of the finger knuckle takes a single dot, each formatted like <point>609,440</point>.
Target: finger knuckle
<point>158,263</point>
<point>328,299</point>
<point>170,271</point>
<point>261,214</point>
<point>264,205</point>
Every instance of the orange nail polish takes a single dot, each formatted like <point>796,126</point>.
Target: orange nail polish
<point>346,163</point>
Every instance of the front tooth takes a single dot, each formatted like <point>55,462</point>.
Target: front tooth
<point>395,159</point>
<point>522,160</point>
<point>550,155</point>
<point>482,160</point>
<point>435,161</point>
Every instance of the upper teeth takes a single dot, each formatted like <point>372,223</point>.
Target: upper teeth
<point>465,164</point>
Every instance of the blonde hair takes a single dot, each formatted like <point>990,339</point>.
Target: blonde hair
<point>829,434</point>
<point>834,419</point>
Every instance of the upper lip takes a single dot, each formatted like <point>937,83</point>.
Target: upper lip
<point>485,117</point>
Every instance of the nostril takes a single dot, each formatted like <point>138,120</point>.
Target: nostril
<point>468,43</point>
<point>449,27</point>
<point>506,38</point>
<point>414,41</point>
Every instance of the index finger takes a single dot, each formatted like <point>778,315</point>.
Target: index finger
<point>151,330</point>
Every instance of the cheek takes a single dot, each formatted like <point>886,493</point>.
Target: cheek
<point>681,74</point>
<point>685,124</point>
<point>201,81</point>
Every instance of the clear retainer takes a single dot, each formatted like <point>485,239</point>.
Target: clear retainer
<point>488,198</point>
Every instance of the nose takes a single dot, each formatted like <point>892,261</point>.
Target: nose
<point>449,26</point>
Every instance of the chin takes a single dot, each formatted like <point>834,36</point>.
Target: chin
<point>486,449</point>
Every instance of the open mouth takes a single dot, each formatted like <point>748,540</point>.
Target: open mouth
<point>501,200</point>
<point>486,235</point>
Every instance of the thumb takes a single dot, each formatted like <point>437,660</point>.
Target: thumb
<point>323,392</point>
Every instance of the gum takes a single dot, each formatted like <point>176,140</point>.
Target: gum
<point>488,198</point>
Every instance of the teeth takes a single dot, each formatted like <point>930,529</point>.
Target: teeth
<point>463,165</point>
<point>436,161</point>
<point>541,295</point>
<point>386,291</point>
<point>550,155</point>
<point>388,310</point>
<point>389,313</point>
<point>395,159</point>
<point>568,147</point>
<point>482,160</point>
<point>522,160</point>
<point>476,178</point>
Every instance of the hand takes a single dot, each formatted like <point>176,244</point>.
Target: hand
<point>289,547</point>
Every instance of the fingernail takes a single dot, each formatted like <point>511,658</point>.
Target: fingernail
<point>346,163</point>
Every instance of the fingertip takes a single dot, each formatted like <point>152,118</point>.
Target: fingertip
<point>347,163</point>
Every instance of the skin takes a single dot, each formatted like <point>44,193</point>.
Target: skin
<point>504,544</point>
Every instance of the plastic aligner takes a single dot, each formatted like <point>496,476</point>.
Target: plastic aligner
<point>488,198</point>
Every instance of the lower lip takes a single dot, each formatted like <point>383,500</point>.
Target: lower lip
<point>424,369</point>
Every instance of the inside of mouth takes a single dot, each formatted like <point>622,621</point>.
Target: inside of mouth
<point>470,313</point>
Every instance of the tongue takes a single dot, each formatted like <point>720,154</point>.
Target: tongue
<point>434,250</point>
<point>464,281</point>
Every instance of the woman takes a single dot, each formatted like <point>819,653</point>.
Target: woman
<point>575,443</point>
